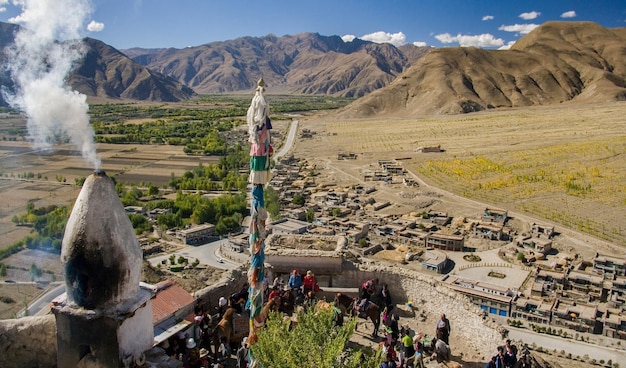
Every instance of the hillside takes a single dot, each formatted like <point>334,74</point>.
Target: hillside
<point>555,63</point>
<point>106,72</point>
<point>305,63</point>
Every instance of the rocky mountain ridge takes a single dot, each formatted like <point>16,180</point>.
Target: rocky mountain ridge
<point>306,63</point>
<point>557,62</point>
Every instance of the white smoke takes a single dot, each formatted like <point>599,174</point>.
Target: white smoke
<point>45,50</point>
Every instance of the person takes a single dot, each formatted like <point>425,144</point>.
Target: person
<point>367,289</point>
<point>295,280</point>
<point>223,352</point>
<point>443,329</point>
<point>191,357</point>
<point>275,293</point>
<point>309,282</point>
<point>498,359</point>
<point>242,354</point>
<point>393,326</point>
<point>510,356</point>
<point>385,297</point>
<point>278,281</point>
<point>389,362</point>
<point>204,358</point>
<point>407,343</point>
<point>222,305</point>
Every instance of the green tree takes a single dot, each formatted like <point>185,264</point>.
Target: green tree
<point>314,342</point>
<point>298,199</point>
<point>521,257</point>
<point>272,203</point>
<point>310,216</point>
<point>153,190</point>
<point>3,270</point>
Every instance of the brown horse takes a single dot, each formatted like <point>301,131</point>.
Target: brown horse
<point>372,312</point>
<point>224,328</point>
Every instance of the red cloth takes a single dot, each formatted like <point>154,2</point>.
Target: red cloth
<point>309,282</point>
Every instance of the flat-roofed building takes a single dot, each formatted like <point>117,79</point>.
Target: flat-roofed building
<point>454,243</point>
<point>585,283</point>
<point>495,215</point>
<point>289,226</point>
<point>489,231</point>
<point>610,265</point>
<point>578,317</point>
<point>198,234</point>
<point>435,260</point>
<point>542,231</point>
<point>614,324</point>
<point>535,311</point>
<point>493,299</point>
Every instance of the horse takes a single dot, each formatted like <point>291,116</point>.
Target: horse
<point>224,328</point>
<point>372,311</point>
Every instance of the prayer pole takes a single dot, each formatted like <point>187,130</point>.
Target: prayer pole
<point>259,126</point>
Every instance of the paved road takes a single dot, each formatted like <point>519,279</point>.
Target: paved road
<point>576,348</point>
<point>291,136</point>
<point>207,254</point>
<point>41,305</point>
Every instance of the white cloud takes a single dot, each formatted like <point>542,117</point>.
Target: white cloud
<point>395,39</point>
<point>507,46</point>
<point>488,17</point>
<point>482,40</point>
<point>3,8</point>
<point>94,26</point>
<point>530,15</point>
<point>519,28</point>
<point>569,14</point>
<point>348,38</point>
<point>420,44</point>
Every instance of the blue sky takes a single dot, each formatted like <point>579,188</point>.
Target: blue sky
<point>180,23</point>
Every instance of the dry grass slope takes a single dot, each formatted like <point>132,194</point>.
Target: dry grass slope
<point>557,62</point>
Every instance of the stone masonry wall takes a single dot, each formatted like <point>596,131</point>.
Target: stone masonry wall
<point>28,342</point>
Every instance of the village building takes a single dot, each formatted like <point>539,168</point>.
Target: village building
<point>608,265</point>
<point>239,243</point>
<point>542,231</point>
<point>489,231</point>
<point>614,324</point>
<point>171,308</point>
<point>495,215</point>
<point>535,311</point>
<point>576,316</point>
<point>435,260</point>
<point>493,299</point>
<point>197,234</point>
<point>289,226</point>
<point>455,243</point>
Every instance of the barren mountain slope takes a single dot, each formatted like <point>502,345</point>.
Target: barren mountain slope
<point>557,62</point>
<point>302,63</point>
<point>106,72</point>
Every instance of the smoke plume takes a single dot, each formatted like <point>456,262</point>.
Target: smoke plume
<point>45,50</point>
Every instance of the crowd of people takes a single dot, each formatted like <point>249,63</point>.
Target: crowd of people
<point>401,346</point>
<point>506,357</point>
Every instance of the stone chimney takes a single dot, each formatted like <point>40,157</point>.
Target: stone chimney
<point>105,319</point>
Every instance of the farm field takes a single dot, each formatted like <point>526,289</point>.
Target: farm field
<point>565,164</point>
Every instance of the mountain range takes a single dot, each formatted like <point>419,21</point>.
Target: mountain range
<point>555,63</point>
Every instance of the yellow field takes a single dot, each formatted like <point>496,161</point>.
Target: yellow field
<point>563,163</point>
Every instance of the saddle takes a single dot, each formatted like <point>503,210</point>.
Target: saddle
<point>360,307</point>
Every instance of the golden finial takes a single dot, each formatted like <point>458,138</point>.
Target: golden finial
<point>261,82</point>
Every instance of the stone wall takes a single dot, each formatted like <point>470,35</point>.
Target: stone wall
<point>28,342</point>
<point>467,320</point>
